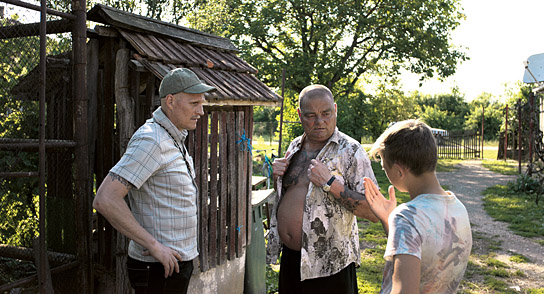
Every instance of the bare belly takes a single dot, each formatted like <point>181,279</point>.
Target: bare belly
<point>289,216</point>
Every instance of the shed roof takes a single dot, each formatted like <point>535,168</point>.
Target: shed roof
<point>162,46</point>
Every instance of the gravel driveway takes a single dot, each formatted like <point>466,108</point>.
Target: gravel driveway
<point>468,182</point>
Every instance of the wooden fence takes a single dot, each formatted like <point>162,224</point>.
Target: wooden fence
<point>459,144</point>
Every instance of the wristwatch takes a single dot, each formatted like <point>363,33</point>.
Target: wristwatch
<point>327,186</point>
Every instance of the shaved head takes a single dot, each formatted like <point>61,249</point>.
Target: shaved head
<point>314,91</point>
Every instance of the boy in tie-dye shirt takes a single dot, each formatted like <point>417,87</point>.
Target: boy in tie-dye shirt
<point>429,237</point>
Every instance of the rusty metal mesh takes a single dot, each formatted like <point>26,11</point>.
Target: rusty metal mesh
<point>19,153</point>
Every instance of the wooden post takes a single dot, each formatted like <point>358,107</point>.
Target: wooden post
<point>125,126</point>
<point>42,269</point>
<point>531,103</point>
<point>483,117</point>
<point>506,133</point>
<point>519,135</point>
<point>281,111</point>
<point>82,170</point>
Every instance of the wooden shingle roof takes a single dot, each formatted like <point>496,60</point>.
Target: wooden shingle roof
<point>162,46</point>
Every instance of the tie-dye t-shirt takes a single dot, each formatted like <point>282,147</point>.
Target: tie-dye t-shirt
<point>436,229</point>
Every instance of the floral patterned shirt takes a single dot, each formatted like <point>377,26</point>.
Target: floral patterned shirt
<point>330,239</point>
<point>435,229</point>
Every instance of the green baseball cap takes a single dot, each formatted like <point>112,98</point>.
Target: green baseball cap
<point>182,80</point>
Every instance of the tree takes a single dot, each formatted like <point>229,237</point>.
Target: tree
<point>328,42</point>
<point>493,116</point>
<point>444,111</point>
<point>388,105</point>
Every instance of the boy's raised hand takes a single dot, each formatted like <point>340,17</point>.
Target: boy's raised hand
<point>379,205</point>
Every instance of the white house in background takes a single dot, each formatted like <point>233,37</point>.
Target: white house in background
<point>534,74</point>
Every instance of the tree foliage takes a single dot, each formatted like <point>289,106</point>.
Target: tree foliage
<point>493,116</point>
<point>444,111</point>
<point>335,42</point>
<point>330,42</point>
<point>18,120</point>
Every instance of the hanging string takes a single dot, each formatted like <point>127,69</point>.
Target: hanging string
<point>245,143</point>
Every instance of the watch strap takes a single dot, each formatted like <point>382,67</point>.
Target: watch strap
<point>331,180</point>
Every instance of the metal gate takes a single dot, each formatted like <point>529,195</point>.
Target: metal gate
<point>464,144</point>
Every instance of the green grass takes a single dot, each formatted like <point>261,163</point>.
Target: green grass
<point>517,209</point>
<point>490,154</point>
<point>508,167</point>
<point>447,165</point>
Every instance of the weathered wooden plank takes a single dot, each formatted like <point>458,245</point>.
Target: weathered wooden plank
<point>249,92</point>
<point>198,58</point>
<point>189,54</point>
<point>222,86</point>
<point>201,164</point>
<point>223,186</point>
<point>33,29</point>
<point>180,52</point>
<point>166,53</point>
<point>110,156</point>
<point>213,190</point>
<point>233,178</point>
<point>214,58</point>
<point>134,42</point>
<point>145,44</point>
<point>241,183</point>
<point>249,164</point>
<point>211,81</point>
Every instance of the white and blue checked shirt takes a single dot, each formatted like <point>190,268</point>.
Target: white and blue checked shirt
<point>164,200</point>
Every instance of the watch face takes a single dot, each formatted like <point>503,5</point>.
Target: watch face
<point>326,188</point>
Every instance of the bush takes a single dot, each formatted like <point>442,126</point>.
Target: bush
<point>525,184</point>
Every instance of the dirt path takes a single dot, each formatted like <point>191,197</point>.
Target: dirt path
<point>468,182</point>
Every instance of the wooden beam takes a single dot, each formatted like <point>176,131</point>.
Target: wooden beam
<point>33,29</point>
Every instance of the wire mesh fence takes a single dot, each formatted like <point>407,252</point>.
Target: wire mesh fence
<point>19,148</point>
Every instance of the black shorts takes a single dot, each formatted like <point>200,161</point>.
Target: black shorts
<point>344,281</point>
<point>148,277</point>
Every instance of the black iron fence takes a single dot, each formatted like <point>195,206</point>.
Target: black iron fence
<point>464,144</point>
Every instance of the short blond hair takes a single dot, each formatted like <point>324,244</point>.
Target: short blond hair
<point>409,143</point>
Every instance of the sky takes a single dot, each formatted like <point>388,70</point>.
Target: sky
<point>499,35</point>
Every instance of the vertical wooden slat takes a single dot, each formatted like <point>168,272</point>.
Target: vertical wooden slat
<point>147,103</point>
<point>249,164</point>
<point>201,163</point>
<point>110,147</point>
<point>241,195</point>
<point>213,191</point>
<point>135,94</point>
<point>232,192</point>
<point>223,187</point>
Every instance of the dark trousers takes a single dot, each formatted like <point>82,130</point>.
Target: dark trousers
<point>148,277</point>
<point>344,281</point>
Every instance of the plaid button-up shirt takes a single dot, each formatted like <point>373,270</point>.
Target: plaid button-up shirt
<point>164,200</point>
<point>330,239</point>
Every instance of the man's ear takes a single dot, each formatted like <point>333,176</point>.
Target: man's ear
<point>169,101</point>
<point>299,114</point>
